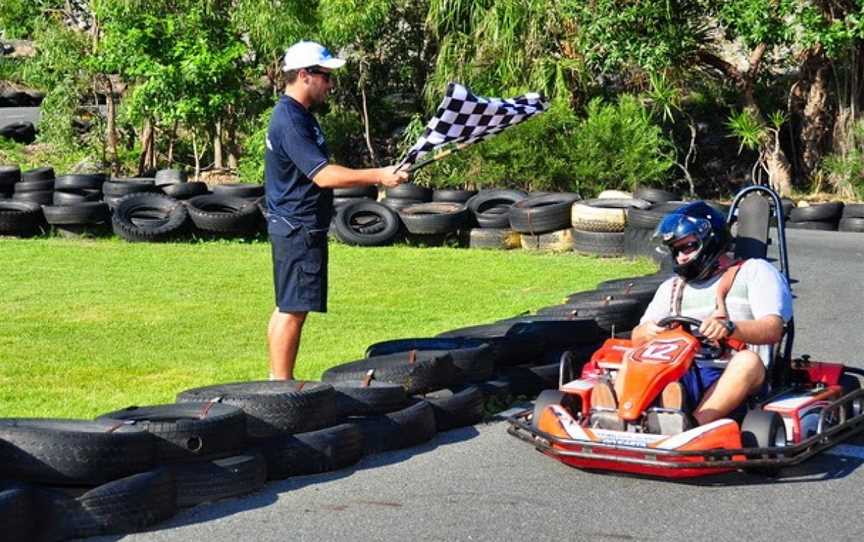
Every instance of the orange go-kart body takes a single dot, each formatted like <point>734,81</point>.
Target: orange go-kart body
<point>564,430</point>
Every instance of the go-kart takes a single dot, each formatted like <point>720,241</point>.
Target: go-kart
<point>809,406</point>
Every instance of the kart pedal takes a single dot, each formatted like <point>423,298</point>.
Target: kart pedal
<point>667,422</point>
<point>606,419</point>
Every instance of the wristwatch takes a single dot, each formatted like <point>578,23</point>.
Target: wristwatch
<point>730,327</point>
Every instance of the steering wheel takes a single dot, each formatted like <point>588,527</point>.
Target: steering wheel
<point>709,348</point>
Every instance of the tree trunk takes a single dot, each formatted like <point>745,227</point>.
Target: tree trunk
<point>811,98</point>
<point>172,138</point>
<point>111,128</point>
<point>231,134</point>
<point>217,145</point>
<point>145,160</point>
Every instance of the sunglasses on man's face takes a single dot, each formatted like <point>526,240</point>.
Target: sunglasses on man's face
<point>322,73</point>
<point>686,248</point>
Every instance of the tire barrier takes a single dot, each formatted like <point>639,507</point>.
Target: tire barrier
<point>367,223</point>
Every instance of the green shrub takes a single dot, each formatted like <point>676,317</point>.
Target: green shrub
<point>616,145</point>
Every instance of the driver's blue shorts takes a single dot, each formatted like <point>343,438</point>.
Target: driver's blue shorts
<point>698,380</point>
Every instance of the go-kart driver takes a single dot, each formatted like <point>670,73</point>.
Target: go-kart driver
<point>757,306</point>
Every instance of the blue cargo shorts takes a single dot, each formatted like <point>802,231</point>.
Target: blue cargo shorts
<point>300,270</point>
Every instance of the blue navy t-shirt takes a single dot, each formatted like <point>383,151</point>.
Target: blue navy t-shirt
<point>295,152</point>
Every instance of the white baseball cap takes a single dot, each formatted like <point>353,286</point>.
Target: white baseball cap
<point>305,54</point>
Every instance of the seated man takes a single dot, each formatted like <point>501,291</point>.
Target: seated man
<point>754,310</point>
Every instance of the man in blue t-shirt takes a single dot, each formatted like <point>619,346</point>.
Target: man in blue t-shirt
<point>299,181</point>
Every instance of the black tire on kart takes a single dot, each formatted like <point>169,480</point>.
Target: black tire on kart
<point>188,431</point>
<point>357,398</point>
<point>224,214</point>
<point>172,217</point>
<point>434,218</point>
<point>456,407</point>
<point>72,452</point>
<point>851,383</point>
<point>404,428</point>
<point>763,429</point>
<point>823,212</point>
<point>274,407</point>
<point>549,398</point>
<point>416,371</point>
<point>312,452</point>
<point>208,481</point>
<point>542,214</point>
<point>367,223</point>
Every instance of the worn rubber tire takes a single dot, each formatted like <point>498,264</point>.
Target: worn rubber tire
<point>654,195</point>
<point>813,225</point>
<point>42,197</point>
<point>473,360</point>
<point>184,191</point>
<point>397,204</point>
<point>404,428</point>
<point>72,452</point>
<point>274,407</point>
<point>542,214</point>
<point>224,214</point>
<point>456,407</point>
<point>167,218</point>
<point>494,238</point>
<point>853,210</point>
<point>166,177</point>
<point>19,217</point>
<point>239,190</point>
<point>555,241</point>
<point>94,212</point>
<point>611,315</point>
<point>452,195</point>
<point>80,181</point>
<point>209,481</point>
<point>822,212</point>
<point>313,452</point>
<point>9,175</point>
<point>356,399</point>
<point>124,186</point>
<point>851,224</point>
<point>188,431</point>
<point>599,243</point>
<point>434,218</point>
<point>367,223</point>
<point>530,380</point>
<point>122,506</point>
<point>428,370</point>
<point>409,191</point>
<point>38,174</point>
<point>17,513</point>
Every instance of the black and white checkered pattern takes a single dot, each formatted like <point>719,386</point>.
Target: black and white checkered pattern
<point>465,118</point>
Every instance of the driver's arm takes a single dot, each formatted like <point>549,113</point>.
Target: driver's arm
<point>765,330</point>
<point>644,332</point>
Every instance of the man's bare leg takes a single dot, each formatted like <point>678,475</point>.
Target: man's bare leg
<point>742,377</point>
<point>283,340</point>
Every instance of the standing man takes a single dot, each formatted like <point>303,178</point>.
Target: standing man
<point>299,181</point>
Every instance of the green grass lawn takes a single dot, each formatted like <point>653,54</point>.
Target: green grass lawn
<point>91,326</point>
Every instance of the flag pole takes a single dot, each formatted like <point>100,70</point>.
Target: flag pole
<point>437,156</point>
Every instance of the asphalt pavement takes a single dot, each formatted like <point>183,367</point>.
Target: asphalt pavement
<point>478,483</point>
<point>12,115</point>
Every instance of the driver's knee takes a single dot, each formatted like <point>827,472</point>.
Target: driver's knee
<point>748,366</point>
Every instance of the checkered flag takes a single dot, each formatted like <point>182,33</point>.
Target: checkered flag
<point>463,119</point>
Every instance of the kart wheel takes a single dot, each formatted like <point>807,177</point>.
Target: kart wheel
<point>763,429</point>
<point>850,384</point>
<point>547,398</point>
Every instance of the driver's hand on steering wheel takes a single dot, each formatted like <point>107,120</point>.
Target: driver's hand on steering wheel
<point>652,329</point>
<point>714,329</point>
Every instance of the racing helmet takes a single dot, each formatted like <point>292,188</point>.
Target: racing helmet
<point>698,231</point>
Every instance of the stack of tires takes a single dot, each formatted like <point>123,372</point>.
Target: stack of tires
<point>347,196</point>
<point>641,223</point>
<point>490,219</point>
<point>77,207</point>
<point>544,221</point>
<point>820,216</point>
<point>36,186</point>
<point>175,183</point>
<point>599,224</point>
